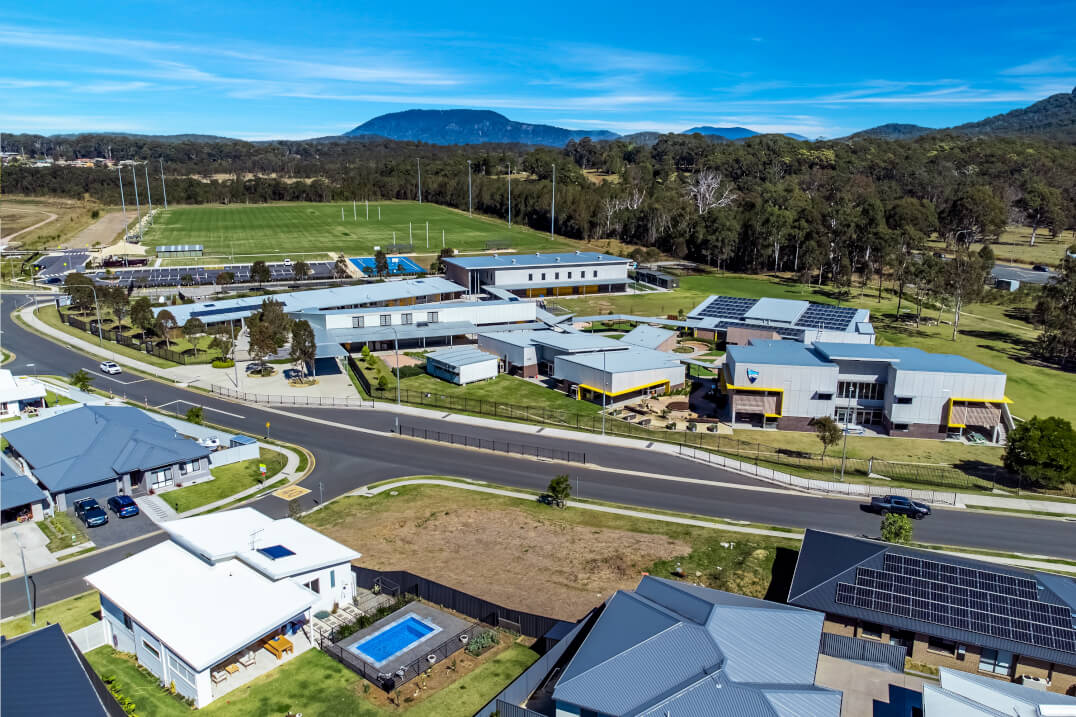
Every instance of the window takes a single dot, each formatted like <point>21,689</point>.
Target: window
<point>936,644</point>
<point>556,276</point>
<point>569,275</point>
<point>903,400</point>
<point>314,585</point>
<point>998,662</point>
<point>824,397</point>
<point>595,273</point>
<point>432,317</point>
<point>862,391</point>
<point>357,322</point>
<point>386,319</point>
<point>543,276</point>
<point>161,478</point>
<point>405,319</point>
<point>332,578</point>
<point>177,668</point>
<point>900,426</point>
<point>151,649</point>
<point>191,467</point>
<point>530,277</point>
<point>871,630</point>
<point>127,621</point>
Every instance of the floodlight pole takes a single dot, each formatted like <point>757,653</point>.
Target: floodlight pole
<point>427,235</point>
<point>419,162</point>
<point>235,353</point>
<point>164,190</point>
<point>509,194</point>
<point>844,449</point>
<point>123,204</point>
<point>138,208</point>
<point>553,207</point>
<point>468,187</point>
<point>149,196</point>
<point>367,209</point>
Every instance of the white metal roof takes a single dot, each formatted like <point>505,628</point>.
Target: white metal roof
<point>243,532</point>
<point>19,389</point>
<point>202,612</point>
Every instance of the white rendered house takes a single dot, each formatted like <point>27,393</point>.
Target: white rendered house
<point>198,610</point>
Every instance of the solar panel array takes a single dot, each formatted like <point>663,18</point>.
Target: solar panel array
<point>961,598</point>
<point>824,316</point>
<point>200,275</point>
<point>726,307</point>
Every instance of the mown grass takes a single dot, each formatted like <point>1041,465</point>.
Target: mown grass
<point>227,481</point>
<point>62,530</point>
<point>73,613</point>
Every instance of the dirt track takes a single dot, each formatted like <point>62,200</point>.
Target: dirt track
<point>101,233</point>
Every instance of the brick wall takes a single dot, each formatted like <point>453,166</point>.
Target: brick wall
<point>839,626</point>
<point>794,423</point>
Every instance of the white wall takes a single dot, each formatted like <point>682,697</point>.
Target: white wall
<point>510,352</point>
<point>802,385</point>
<point>478,313</point>
<point>478,371</point>
<point>615,382</point>
<point>607,270</point>
<point>341,593</point>
<point>930,391</point>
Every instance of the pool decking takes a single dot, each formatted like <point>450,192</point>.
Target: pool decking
<point>449,625</point>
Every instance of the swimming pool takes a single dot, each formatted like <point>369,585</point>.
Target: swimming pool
<point>395,638</point>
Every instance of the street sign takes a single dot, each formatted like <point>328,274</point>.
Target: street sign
<point>261,467</point>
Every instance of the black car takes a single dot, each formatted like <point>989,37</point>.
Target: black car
<point>550,499</point>
<point>90,513</point>
<point>123,506</point>
<point>900,505</point>
<point>1040,267</point>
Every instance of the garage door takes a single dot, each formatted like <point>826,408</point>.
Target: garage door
<point>102,492</point>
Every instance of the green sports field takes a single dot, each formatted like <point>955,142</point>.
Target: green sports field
<point>310,230</point>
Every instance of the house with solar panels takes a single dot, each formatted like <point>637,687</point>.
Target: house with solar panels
<point>997,622</point>
<point>672,648</point>
<point>538,275</point>
<point>800,321</point>
<point>227,599</point>
<point>894,390</point>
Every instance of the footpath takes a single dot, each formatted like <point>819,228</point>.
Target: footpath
<point>184,375</point>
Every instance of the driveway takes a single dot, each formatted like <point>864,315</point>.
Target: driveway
<point>34,548</point>
<point>117,530</point>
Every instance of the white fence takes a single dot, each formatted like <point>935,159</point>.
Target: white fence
<point>233,455</point>
<point>89,637</point>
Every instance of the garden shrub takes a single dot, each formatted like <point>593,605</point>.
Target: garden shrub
<point>482,642</point>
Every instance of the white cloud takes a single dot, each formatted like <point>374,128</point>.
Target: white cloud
<point>1056,65</point>
<point>69,123</point>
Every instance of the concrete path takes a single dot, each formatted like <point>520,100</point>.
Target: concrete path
<point>1029,562</point>
<point>156,508</point>
<point>34,548</point>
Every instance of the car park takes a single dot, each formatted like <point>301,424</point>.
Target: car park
<point>899,505</point>
<point>123,506</point>
<point>110,367</point>
<point>90,513</point>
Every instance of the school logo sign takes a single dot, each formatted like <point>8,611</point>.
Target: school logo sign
<point>752,375</point>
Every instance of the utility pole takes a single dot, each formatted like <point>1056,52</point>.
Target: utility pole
<point>553,208</point>
<point>419,162</point>
<point>509,194</point>
<point>468,187</point>
<point>164,191</point>
<point>844,449</point>
<point>138,208</point>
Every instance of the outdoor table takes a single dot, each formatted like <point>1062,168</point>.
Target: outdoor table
<point>279,645</point>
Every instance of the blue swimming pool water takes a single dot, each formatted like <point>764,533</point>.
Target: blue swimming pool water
<point>394,639</point>
<point>397,265</point>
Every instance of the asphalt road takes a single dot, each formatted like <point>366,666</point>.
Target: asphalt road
<point>364,450</point>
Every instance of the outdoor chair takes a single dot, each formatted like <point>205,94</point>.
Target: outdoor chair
<point>219,676</point>
<point>248,659</point>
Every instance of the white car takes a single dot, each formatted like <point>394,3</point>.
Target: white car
<point>110,367</point>
<point>287,262</point>
<point>210,442</point>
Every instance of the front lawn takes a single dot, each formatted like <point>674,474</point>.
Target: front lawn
<point>315,685</point>
<point>72,614</point>
<point>227,481</point>
<point>62,530</point>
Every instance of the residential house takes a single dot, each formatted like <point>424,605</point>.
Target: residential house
<point>105,451</point>
<point>672,648</point>
<point>19,393</point>
<point>961,694</point>
<point>19,494</point>
<point>227,599</point>
<point>977,617</point>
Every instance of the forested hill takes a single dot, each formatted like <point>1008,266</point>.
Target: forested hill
<point>893,131</point>
<point>469,127</point>
<point>1053,117</point>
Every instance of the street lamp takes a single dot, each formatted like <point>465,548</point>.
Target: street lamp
<point>468,187</point>
<point>26,582</point>
<point>605,389</point>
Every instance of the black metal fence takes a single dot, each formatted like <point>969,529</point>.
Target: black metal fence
<point>525,623</point>
<point>507,709</point>
<point>275,400</point>
<point>854,648</point>
<point>359,375</point>
<point>148,347</point>
<point>489,444</point>
<point>389,681</point>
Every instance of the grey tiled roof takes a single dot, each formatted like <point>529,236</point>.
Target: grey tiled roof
<point>669,647</point>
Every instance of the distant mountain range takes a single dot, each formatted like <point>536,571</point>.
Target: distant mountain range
<point>1051,118</point>
<point>734,133</point>
<point>469,127</point>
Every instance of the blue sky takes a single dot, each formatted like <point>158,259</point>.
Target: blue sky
<point>293,70</point>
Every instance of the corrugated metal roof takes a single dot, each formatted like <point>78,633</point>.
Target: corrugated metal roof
<point>43,675</point>
<point>785,311</point>
<point>776,352</point>
<point>508,261</point>
<point>633,358</point>
<point>906,358</point>
<point>461,356</point>
<point>672,648</point>
<point>828,558</point>
<point>16,488</point>
<point>575,342</point>
<point>100,443</point>
<point>647,336</point>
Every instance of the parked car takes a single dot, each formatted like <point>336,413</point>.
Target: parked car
<point>550,499</point>
<point>1040,267</point>
<point>210,442</point>
<point>90,513</point>
<point>123,506</point>
<point>886,504</point>
<point>110,367</point>
<point>287,261</point>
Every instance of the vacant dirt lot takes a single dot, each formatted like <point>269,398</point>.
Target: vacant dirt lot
<point>525,558</point>
<point>101,233</point>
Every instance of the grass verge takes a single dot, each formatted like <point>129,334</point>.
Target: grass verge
<point>227,481</point>
<point>62,532</point>
<point>72,614</point>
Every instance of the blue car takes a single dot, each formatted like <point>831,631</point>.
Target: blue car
<point>123,506</point>
<point>90,513</point>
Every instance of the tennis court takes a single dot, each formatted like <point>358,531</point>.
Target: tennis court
<point>397,265</point>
